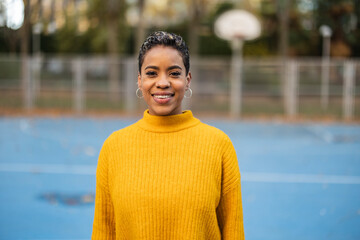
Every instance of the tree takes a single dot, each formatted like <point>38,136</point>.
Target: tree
<point>339,15</point>
<point>140,31</point>
<point>283,16</point>
<point>111,13</point>
<point>196,12</point>
<point>25,32</point>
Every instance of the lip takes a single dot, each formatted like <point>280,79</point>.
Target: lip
<point>169,96</point>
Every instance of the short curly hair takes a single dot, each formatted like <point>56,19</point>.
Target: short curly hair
<point>165,39</point>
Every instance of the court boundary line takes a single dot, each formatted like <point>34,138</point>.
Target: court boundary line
<point>263,177</point>
<point>48,168</point>
<point>299,178</point>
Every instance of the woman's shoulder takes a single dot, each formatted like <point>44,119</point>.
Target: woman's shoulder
<point>119,135</point>
<point>213,132</point>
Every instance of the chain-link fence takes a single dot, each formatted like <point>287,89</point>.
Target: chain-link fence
<point>271,87</point>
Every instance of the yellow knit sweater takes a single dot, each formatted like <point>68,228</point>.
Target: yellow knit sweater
<point>168,177</point>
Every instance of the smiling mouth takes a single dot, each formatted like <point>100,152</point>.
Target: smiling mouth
<point>163,96</point>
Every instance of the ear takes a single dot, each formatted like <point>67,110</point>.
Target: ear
<point>139,80</point>
<point>188,80</point>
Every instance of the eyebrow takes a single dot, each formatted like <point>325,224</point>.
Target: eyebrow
<point>154,67</point>
<point>169,68</point>
<point>174,67</point>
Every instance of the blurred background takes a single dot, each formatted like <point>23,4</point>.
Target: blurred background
<point>79,56</point>
<point>296,134</point>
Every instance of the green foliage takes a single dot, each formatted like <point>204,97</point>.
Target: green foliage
<point>68,40</point>
<point>305,18</point>
<point>257,48</point>
<point>220,8</point>
<point>98,39</point>
<point>3,43</point>
<point>212,45</point>
<point>48,43</point>
<point>95,38</point>
<point>342,16</point>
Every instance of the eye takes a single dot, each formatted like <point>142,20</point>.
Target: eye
<point>175,74</point>
<point>151,73</point>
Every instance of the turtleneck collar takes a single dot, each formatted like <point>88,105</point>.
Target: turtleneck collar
<point>172,123</point>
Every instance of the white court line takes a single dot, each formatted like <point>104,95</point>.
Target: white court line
<point>298,178</point>
<point>245,176</point>
<point>49,168</point>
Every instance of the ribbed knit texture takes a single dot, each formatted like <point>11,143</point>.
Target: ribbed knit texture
<point>168,177</point>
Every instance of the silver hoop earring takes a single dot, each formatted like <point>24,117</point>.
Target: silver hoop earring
<point>188,91</point>
<point>137,93</point>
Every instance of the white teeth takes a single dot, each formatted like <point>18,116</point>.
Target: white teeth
<point>162,96</point>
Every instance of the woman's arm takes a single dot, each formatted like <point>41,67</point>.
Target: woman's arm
<point>229,210</point>
<point>104,222</point>
<point>230,215</point>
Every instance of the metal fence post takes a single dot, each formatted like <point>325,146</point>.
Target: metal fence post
<point>130,84</point>
<point>35,74</point>
<point>236,79</point>
<point>291,94</point>
<point>283,72</point>
<point>325,74</point>
<point>326,33</point>
<point>28,86</point>
<point>348,90</point>
<point>114,77</point>
<point>78,85</point>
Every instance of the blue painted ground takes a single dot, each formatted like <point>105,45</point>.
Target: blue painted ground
<point>298,181</point>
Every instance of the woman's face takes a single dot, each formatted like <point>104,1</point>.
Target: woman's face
<point>163,80</point>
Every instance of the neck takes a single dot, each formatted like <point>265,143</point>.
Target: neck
<point>171,123</point>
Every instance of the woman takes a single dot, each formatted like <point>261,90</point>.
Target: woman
<point>168,176</point>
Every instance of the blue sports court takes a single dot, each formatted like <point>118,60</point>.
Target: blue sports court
<point>299,181</point>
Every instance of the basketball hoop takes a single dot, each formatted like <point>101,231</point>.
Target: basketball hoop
<point>237,24</point>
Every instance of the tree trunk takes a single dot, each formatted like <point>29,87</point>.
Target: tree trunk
<point>193,27</point>
<point>113,50</point>
<point>196,8</point>
<point>283,16</point>
<point>114,84</point>
<point>140,31</point>
<point>25,31</point>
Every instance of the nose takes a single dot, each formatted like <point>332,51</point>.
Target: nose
<point>163,82</point>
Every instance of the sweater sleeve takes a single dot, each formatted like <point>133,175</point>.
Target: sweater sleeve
<point>229,210</point>
<point>104,220</point>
